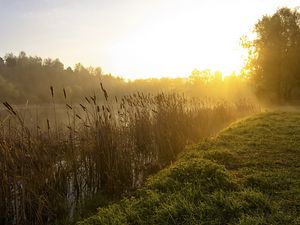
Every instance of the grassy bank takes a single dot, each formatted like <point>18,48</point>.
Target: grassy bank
<point>248,174</point>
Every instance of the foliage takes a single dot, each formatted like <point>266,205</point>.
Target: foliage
<point>273,63</point>
<point>248,174</point>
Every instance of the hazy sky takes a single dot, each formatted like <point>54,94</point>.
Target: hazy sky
<point>134,37</point>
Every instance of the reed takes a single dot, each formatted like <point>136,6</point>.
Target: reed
<point>105,147</point>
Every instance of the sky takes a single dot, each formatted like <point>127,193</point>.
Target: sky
<point>134,38</point>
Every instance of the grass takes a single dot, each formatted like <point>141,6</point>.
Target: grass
<point>248,174</point>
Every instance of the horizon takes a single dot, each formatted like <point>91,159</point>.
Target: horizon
<point>134,39</point>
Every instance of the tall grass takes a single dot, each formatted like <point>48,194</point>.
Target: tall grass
<point>48,169</point>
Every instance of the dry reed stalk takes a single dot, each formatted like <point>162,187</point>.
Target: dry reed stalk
<point>106,148</point>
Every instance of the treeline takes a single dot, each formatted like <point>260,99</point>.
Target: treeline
<point>26,78</point>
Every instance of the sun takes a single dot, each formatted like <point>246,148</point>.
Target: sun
<point>173,45</point>
<point>147,54</point>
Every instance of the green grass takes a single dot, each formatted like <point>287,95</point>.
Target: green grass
<point>249,174</point>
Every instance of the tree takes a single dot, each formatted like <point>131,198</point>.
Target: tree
<point>200,77</point>
<point>274,55</point>
<point>10,60</point>
<point>1,62</point>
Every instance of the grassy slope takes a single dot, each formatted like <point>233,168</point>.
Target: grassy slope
<point>249,174</point>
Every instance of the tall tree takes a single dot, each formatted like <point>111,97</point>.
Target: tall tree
<point>274,55</point>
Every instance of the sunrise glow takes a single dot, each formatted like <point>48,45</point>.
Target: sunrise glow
<point>137,39</point>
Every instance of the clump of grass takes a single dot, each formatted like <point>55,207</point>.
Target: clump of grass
<point>51,170</point>
<point>222,156</point>
<point>182,195</point>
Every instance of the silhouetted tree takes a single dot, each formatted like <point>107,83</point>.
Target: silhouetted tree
<point>274,55</point>
<point>10,60</point>
<point>1,62</point>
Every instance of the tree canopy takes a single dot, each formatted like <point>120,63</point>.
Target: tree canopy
<point>274,55</point>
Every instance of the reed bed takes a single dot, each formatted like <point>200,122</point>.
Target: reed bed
<point>49,168</point>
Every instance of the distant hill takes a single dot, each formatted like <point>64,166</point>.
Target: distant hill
<point>248,174</point>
